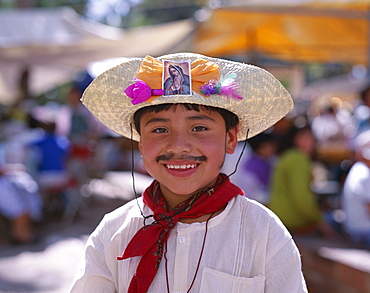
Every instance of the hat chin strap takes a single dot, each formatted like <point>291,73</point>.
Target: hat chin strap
<point>133,174</point>
<point>241,154</point>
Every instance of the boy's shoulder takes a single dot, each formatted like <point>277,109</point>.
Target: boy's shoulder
<point>254,211</point>
<point>254,206</point>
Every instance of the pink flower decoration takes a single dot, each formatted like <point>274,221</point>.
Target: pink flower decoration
<point>139,91</point>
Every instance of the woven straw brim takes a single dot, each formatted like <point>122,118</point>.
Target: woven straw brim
<point>265,100</point>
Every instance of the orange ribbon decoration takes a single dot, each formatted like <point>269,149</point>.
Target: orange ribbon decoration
<point>202,71</point>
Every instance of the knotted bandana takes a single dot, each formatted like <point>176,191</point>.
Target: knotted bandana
<point>149,241</point>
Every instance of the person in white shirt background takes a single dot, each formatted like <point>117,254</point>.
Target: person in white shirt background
<point>356,193</point>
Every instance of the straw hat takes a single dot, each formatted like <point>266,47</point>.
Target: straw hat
<point>257,97</point>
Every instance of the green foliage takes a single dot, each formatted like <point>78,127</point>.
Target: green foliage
<point>78,5</point>
<point>318,71</point>
<point>160,11</point>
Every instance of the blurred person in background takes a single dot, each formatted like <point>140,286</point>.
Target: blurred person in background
<point>362,112</point>
<point>257,169</point>
<point>328,126</point>
<point>291,196</point>
<point>79,125</point>
<point>20,202</point>
<point>83,130</point>
<point>356,193</point>
<point>334,129</point>
<point>49,157</point>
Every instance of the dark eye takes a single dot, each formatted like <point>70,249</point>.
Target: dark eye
<point>160,130</point>
<point>200,128</point>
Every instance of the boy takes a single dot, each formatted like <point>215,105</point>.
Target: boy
<point>199,233</point>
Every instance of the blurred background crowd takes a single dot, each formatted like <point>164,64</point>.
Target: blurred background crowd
<point>311,168</point>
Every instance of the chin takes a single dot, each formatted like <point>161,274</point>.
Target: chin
<point>185,189</point>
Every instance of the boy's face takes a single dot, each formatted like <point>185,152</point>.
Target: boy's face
<point>184,149</point>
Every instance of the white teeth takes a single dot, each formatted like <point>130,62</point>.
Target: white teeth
<point>181,166</point>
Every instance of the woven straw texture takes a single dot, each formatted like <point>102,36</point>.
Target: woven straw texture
<point>265,100</point>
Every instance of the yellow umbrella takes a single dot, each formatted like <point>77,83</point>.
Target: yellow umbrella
<point>296,30</point>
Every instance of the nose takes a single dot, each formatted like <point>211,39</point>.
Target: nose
<point>179,143</point>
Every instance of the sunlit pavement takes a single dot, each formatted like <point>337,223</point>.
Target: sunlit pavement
<point>49,264</point>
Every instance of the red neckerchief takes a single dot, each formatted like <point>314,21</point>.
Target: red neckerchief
<point>149,241</point>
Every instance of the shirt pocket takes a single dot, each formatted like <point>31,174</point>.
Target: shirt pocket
<point>219,282</point>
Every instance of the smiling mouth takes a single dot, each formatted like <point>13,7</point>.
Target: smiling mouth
<point>182,167</point>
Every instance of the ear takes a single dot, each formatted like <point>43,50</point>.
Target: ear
<point>232,140</point>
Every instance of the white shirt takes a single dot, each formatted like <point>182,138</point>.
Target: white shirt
<point>356,195</point>
<point>247,249</point>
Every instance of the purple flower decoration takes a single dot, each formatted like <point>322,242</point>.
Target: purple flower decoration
<point>140,91</point>
<point>210,89</point>
<point>226,86</point>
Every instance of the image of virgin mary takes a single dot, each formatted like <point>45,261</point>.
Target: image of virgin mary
<point>178,83</point>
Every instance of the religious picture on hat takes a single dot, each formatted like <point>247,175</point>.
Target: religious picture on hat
<point>176,78</point>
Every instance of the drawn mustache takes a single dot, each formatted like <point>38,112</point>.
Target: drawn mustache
<point>168,157</point>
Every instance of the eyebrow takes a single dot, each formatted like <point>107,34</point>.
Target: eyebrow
<point>191,118</point>
<point>200,117</point>
<point>156,119</point>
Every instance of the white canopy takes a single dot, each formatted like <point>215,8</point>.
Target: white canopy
<point>53,43</point>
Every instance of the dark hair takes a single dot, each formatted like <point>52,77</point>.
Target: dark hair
<point>177,68</point>
<point>287,142</point>
<point>364,92</point>
<point>231,120</point>
<point>256,141</point>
